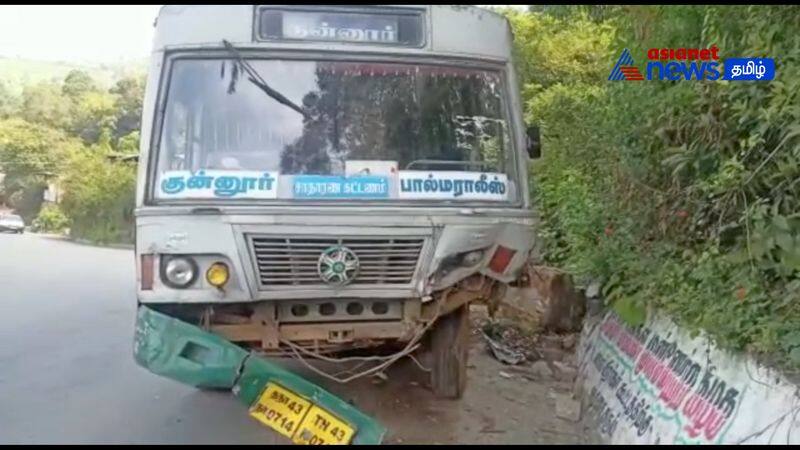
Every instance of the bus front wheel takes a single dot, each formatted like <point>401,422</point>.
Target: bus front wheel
<point>449,347</point>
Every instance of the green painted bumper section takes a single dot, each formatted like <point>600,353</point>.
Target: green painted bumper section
<point>183,352</point>
<point>257,372</point>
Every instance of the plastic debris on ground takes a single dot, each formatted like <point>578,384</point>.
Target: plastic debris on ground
<point>502,352</point>
<point>508,343</point>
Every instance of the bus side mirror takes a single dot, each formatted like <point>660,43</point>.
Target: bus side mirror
<point>534,142</point>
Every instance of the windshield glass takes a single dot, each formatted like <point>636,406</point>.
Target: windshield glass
<point>362,131</point>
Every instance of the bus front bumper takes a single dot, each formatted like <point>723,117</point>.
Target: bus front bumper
<point>183,352</point>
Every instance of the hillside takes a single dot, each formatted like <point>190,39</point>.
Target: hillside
<point>16,73</point>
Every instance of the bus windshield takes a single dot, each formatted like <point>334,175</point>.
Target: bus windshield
<point>425,131</point>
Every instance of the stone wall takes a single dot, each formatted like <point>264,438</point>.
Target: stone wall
<point>657,384</point>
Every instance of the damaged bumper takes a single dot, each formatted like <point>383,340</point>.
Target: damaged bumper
<point>185,353</point>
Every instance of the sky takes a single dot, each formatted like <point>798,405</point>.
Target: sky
<point>77,33</point>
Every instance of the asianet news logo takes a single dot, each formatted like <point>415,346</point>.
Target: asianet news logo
<point>675,64</point>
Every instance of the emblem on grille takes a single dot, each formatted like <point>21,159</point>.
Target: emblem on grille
<point>337,265</point>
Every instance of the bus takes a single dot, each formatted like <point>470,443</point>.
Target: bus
<point>319,182</point>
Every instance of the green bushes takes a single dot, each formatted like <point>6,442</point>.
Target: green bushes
<point>680,196</point>
<point>63,135</point>
<point>99,198</point>
<point>50,220</point>
<point>30,156</point>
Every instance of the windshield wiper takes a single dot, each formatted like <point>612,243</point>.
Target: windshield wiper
<point>256,79</point>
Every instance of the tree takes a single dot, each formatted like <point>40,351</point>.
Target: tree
<point>38,147</point>
<point>575,48</point>
<point>77,83</point>
<point>43,103</point>
<point>129,93</point>
<point>129,144</point>
<point>93,112</point>
<point>99,197</point>
<point>8,102</point>
<point>30,156</point>
<point>597,13</point>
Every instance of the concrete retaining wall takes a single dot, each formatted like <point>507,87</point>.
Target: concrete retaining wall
<point>656,384</point>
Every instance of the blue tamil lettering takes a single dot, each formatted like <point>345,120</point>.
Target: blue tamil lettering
<point>173,185</point>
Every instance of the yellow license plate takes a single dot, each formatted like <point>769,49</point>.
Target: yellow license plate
<point>323,428</point>
<point>280,409</point>
<point>298,419</point>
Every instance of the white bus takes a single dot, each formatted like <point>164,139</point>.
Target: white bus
<point>316,181</point>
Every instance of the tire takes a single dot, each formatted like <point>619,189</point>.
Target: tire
<point>449,346</point>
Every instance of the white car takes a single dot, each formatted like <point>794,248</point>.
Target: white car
<point>13,223</point>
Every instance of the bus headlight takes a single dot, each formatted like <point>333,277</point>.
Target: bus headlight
<point>179,272</point>
<point>472,258</point>
<point>217,275</point>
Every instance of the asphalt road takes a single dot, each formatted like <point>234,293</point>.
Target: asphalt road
<point>67,373</point>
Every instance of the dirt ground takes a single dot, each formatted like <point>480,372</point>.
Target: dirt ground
<point>502,405</point>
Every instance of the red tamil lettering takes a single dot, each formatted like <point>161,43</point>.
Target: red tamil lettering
<point>668,389</point>
<point>674,392</point>
<point>610,330</point>
<point>695,411</point>
<point>645,362</point>
<point>640,364</point>
<point>629,345</point>
<point>663,374</point>
<point>655,373</point>
<point>706,418</point>
<point>650,367</point>
<point>714,424</point>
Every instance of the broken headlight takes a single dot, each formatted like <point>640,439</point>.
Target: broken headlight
<point>472,258</point>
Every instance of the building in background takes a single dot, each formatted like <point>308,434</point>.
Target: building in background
<point>53,192</point>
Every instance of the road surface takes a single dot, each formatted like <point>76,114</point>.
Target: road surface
<point>67,373</point>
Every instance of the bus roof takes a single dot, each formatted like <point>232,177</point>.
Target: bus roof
<point>466,31</point>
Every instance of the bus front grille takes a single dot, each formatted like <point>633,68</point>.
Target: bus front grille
<point>293,261</point>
